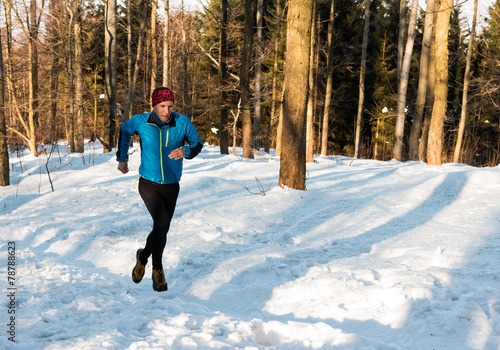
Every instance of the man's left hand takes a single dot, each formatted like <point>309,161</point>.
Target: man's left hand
<point>178,153</point>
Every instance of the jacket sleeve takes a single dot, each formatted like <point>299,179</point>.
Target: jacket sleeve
<point>193,141</point>
<point>127,129</point>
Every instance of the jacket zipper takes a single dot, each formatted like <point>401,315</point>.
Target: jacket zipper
<point>161,159</point>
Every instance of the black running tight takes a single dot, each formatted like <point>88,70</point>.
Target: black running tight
<point>160,201</point>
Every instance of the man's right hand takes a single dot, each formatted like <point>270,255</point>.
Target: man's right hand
<point>123,167</point>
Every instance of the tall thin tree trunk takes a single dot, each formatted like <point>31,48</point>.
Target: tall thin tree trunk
<point>416,127</point>
<point>185,89</point>
<point>140,44</point>
<point>463,116</point>
<point>70,123</point>
<point>246,59</point>
<point>436,132</point>
<point>403,84</point>
<point>223,133</point>
<point>79,128</point>
<point>154,46</point>
<point>429,100</point>
<point>4,153</point>
<point>310,100</point>
<point>34,29</point>
<point>362,74</point>
<point>275,73</point>
<point>109,126</point>
<point>129,43</point>
<point>279,131</point>
<point>166,46</point>
<point>258,77</point>
<point>8,58</point>
<point>401,35</point>
<point>293,152</point>
<point>54,71</point>
<point>329,83</point>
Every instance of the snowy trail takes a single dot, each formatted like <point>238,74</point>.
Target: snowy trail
<point>375,255</point>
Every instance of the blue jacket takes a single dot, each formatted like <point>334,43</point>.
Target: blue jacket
<point>157,141</point>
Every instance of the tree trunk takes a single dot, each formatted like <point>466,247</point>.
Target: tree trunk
<point>8,58</point>
<point>429,100</point>
<point>461,129</point>
<point>258,77</point>
<point>310,100</point>
<point>275,73</point>
<point>436,133</point>
<point>293,152</point>
<point>4,152</point>
<point>55,69</point>
<point>70,123</point>
<point>140,43</point>
<point>329,83</point>
<point>401,35</point>
<point>166,46</point>
<point>403,84</point>
<point>362,74</point>
<point>31,32</point>
<point>279,131</point>
<point>34,29</point>
<point>223,134</point>
<point>154,46</point>
<point>246,113</point>
<point>129,43</point>
<point>416,127</point>
<point>109,125</point>
<point>79,129</point>
<point>185,65</point>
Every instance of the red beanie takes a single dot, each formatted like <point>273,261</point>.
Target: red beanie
<point>161,94</point>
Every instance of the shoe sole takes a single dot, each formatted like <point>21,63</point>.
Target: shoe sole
<point>157,288</point>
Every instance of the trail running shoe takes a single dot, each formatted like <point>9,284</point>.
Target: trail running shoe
<point>159,282</point>
<point>139,268</point>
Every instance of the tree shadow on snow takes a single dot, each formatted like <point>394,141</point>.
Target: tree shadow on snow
<point>248,297</point>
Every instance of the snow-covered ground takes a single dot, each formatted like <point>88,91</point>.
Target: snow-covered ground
<point>374,255</point>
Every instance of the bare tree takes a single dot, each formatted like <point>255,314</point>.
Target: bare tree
<point>166,46</point>
<point>461,129</point>
<point>140,43</point>
<point>416,127</point>
<point>223,134</point>
<point>362,74</point>
<point>129,43</point>
<point>403,84</point>
<point>4,153</point>
<point>293,151</point>
<point>110,38</point>
<point>30,28</point>
<point>310,99</point>
<point>401,34</point>
<point>79,129</point>
<point>55,47</point>
<point>258,77</point>
<point>275,76</point>
<point>329,83</point>
<point>185,88</point>
<point>8,47</point>
<point>436,133</point>
<point>154,46</point>
<point>429,99</point>
<point>246,113</point>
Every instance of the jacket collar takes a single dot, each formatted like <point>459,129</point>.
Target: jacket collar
<point>153,119</point>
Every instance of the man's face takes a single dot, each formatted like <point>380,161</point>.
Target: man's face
<point>163,110</point>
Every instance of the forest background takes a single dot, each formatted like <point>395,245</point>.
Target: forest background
<point>72,70</point>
